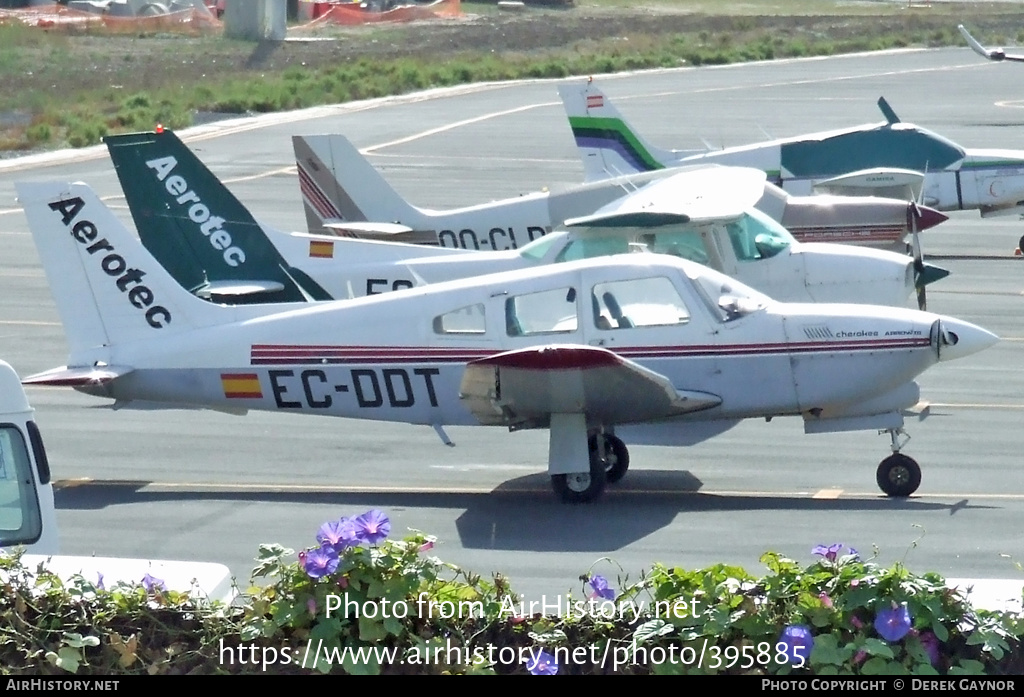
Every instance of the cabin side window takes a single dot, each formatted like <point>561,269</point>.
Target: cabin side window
<point>546,312</point>
<point>465,320</point>
<point>19,505</point>
<point>641,302</point>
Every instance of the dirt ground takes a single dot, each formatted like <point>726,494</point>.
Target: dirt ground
<point>85,62</point>
<point>67,65</point>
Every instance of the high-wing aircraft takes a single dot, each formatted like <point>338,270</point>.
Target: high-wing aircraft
<point>639,348</point>
<point>994,54</point>
<point>891,158</point>
<point>191,223</point>
<point>341,189</point>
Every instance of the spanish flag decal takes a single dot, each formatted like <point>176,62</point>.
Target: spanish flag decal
<point>321,249</point>
<point>241,385</point>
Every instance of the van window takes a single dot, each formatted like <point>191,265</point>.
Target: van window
<point>20,521</point>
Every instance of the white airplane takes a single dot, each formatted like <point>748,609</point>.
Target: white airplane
<point>993,54</point>
<point>704,214</point>
<point>646,348</point>
<point>891,158</point>
<point>343,193</point>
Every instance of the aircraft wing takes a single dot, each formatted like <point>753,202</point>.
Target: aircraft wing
<point>890,182</point>
<point>993,54</point>
<point>523,387</point>
<point>697,194</point>
<point>77,377</point>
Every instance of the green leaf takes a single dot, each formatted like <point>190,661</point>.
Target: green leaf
<point>652,629</point>
<point>874,666</point>
<point>877,647</point>
<point>66,658</point>
<point>371,630</point>
<point>78,641</point>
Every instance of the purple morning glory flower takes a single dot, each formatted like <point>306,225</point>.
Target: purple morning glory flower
<point>321,562</point>
<point>152,583</point>
<point>372,527</point>
<point>893,623</point>
<point>542,664</point>
<point>599,588</point>
<point>338,534</point>
<point>830,552</point>
<point>930,643</point>
<point>798,642</point>
<point>99,581</point>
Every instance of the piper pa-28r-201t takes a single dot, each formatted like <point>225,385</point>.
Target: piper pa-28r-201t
<point>642,348</point>
<point>340,188</point>
<point>891,158</point>
<point>207,239</point>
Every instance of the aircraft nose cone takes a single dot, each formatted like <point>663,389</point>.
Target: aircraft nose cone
<point>926,217</point>
<point>956,339</point>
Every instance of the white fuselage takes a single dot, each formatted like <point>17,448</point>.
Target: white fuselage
<point>793,273</point>
<point>401,356</point>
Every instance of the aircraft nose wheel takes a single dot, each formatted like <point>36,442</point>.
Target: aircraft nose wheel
<point>616,456</point>
<point>898,475</point>
<point>581,487</point>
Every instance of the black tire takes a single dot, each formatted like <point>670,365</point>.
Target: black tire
<point>616,455</point>
<point>898,475</point>
<point>1020,242</point>
<point>580,487</point>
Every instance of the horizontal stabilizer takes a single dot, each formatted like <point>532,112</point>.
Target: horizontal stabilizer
<point>389,232</point>
<point>77,377</point>
<point>524,387</point>
<point>697,194</point>
<point>357,226</point>
<point>236,289</point>
<point>880,181</point>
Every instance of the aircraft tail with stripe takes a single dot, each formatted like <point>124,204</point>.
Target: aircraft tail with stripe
<point>197,229</point>
<point>607,144</point>
<point>339,185</point>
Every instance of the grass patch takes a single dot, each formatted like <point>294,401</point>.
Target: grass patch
<point>74,89</point>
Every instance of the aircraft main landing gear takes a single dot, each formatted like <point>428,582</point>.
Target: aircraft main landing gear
<point>615,456</point>
<point>898,475</point>
<point>581,487</point>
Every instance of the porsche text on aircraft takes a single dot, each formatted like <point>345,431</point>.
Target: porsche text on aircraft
<point>211,243</point>
<point>639,348</point>
<point>891,158</point>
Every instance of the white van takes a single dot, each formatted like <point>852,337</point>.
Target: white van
<point>28,516</point>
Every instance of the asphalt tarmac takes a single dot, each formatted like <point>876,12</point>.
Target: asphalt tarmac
<point>212,487</point>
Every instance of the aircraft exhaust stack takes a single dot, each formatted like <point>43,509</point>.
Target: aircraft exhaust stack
<point>953,338</point>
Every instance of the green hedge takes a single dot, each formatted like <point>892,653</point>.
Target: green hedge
<point>357,602</point>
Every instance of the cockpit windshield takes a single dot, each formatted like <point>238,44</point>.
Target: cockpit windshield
<point>539,248</point>
<point>756,236</point>
<point>727,298</point>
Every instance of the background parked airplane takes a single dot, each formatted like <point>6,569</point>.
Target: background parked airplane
<point>891,158</point>
<point>665,349</point>
<point>340,188</point>
<point>704,214</point>
<point>995,54</point>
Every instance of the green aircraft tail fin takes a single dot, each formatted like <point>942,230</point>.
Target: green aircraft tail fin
<point>196,228</point>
